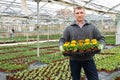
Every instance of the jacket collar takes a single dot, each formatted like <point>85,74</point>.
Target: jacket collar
<point>75,23</point>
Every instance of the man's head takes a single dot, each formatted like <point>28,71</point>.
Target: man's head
<point>79,13</point>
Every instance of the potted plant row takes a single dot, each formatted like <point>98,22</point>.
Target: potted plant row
<point>81,47</point>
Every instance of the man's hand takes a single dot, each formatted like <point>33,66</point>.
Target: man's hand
<point>61,48</point>
<point>101,46</point>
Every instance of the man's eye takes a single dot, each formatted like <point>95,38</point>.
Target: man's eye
<point>81,13</point>
<point>77,13</point>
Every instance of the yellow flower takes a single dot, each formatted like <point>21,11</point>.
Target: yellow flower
<point>72,45</point>
<point>94,41</point>
<point>87,41</point>
<point>80,42</point>
<point>66,44</point>
<point>73,42</point>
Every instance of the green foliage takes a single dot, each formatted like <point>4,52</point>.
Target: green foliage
<point>110,39</point>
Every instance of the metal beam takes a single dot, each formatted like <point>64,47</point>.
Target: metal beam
<point>114,7</point>
<point>9,5</point>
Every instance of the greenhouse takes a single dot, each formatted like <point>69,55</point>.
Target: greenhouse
<point>30,31</point>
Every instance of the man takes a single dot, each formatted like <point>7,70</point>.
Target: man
<point>12,33</point>
<point>80,29</point>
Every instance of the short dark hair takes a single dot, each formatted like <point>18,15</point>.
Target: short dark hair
<point>78,7</point>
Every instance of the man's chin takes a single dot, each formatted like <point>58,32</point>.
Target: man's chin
<point>80,20</point>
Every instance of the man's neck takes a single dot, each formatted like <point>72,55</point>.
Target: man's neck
<point>81,22</point>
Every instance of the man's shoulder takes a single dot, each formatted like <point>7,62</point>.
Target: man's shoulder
<point>90,24</point>
<point>69,26</point>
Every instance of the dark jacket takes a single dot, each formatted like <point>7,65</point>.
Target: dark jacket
<point>74,32</point>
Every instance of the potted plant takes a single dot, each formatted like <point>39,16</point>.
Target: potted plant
<point>73,46</point>
<point>94,44</point>
<point>66,47</point>
<point>70,47</point>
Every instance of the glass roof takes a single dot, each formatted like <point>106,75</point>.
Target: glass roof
<point>99,5</point>
<point>56,7</point>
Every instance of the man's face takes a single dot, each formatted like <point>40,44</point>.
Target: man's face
<point>79,14</point>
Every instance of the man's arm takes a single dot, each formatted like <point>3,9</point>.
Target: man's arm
<point>100,38</point>
<point>63,39</point>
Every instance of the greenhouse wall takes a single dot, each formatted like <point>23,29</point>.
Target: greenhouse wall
<point>118,31</point>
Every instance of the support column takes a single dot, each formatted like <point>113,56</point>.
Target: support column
<point>38,17</point>
<point>118,30</point>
